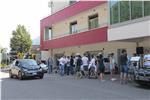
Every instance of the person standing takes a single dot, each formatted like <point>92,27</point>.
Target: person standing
<point>67,65</point>
<point>147,58</point>
<point>78,64</point>
<point>62,62</point>
<point>112,65</point>
<point>93,63</point>
<point>50,65</point>
<point>85,61</point>
<point>101,67</point>
<point>124,67</point>
<point>71,64</point>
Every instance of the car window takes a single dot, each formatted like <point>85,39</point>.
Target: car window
<point>27,63</point>
<point>17,63</point>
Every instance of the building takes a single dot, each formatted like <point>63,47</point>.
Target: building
<point>0,54</point>
<point>35,48</point>
<point>94,27</point>
<point>56,5</point>
<point>130,22</point>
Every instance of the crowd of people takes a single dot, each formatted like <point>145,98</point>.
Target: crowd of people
<point>81,64</point>
<point>84,64</point>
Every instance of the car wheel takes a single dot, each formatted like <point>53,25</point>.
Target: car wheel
<point>10,74</point>
<point>20,75</point>
<point>41,76</point>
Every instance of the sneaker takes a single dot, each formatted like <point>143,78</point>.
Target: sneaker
<point>113,79</point>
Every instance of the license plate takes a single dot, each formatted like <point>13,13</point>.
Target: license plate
<point>143,79</point>
<point>34,73</point>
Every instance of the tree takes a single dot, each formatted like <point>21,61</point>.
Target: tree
<point>3,50</point>
<point>21,40</point>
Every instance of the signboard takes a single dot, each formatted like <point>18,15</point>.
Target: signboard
<point>135,59</point>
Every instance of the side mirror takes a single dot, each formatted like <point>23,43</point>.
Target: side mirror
<point>17,63</point>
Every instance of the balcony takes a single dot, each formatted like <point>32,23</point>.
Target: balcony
<point>80,30</point>
<point>69,11</point>
<point>83,38</point>
<point>85,35</point>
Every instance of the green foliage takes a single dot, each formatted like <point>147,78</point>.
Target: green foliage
<point>3,50</point>
<point>21,40</point>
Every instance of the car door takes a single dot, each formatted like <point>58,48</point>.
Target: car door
<point>13,67</point>
<point>16,68</point>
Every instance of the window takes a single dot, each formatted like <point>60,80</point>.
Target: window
<point>136,9</point>
<point>124,11</point>
<point>73,27</point>
<point>121,11</point>
<point>114,12</point>
<point>93,21</point>
<point>48,33</point>
<point>146,8</point>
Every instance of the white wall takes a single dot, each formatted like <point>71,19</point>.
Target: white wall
<point>109,47</point>
<point>134,30</point>
<point>145,43</point>
<point>44,55</point>
<point>58,5</point>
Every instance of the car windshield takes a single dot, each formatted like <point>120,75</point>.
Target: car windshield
<point>28,63</point>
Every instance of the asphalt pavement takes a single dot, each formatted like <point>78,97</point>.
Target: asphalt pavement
<point>55,87</point>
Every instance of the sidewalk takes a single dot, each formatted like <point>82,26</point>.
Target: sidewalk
<point>6,69</point>
<point>3,75</point>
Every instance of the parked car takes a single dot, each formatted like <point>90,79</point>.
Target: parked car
<point>23,68</point>
<point>44,66</point>
<point>142,75</point>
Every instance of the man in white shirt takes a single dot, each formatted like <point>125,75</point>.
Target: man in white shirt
<point>92,63</point>
<point>62,62</point>
<point>147,58</point>
<point>85,61</point>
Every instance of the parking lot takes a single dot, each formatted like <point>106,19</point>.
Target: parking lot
<point>55,87</point>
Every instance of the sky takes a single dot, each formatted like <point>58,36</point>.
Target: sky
<point>24,12</point>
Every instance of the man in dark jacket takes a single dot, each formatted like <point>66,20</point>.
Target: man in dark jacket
<point>124,67</point>
<point>71,64</point>
<point>78,67</point>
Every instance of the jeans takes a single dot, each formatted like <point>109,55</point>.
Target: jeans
<point>49,69</point>
<point>61,68</point>
<point>124,68</point>
<point>68,70</point>
<point>71,69</point>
